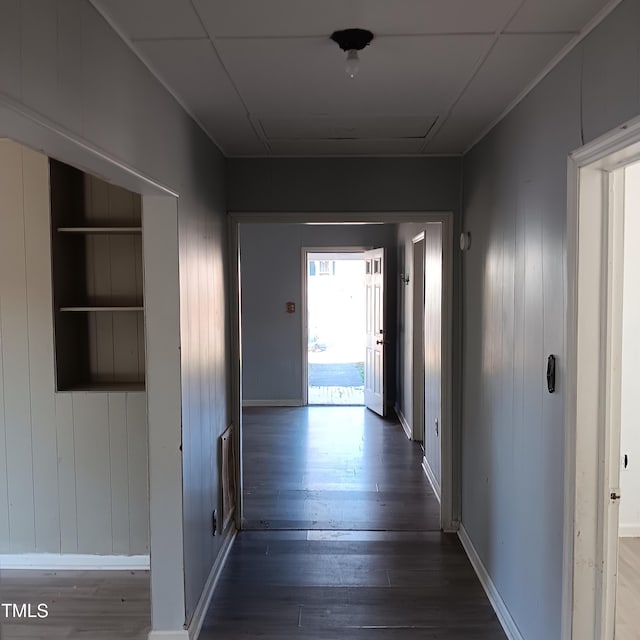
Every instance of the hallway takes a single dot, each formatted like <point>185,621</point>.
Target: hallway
<point>342,538</point>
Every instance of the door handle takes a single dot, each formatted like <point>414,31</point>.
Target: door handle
<point>381,342</point>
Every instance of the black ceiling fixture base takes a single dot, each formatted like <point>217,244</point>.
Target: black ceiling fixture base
<point>349,39</point>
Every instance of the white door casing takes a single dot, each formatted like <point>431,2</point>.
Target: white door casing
<point>450,503</point>
<point>374,383</point>
<point>594,348</point>
<point>418,367</point>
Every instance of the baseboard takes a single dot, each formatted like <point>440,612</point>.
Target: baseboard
<point>205,598</point>
<point>73,561</point>
<point>273,403</point>
<point>168,635</point>
<point>435,485</point>
<point>403,422</point>
<point>629,531</point>
<point>508,623</point>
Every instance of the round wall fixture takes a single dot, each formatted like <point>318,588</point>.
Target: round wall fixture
<point>352,41</point>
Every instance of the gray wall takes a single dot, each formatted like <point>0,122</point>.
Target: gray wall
<point>73,473</point>
<point>515,184</point>
<point>271,266</point>
<point>343,184</point>
<point>352,184</point>
<point>64,67</point>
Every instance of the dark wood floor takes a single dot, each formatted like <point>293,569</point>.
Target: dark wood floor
<point>333,468</point>
<point>342,539</point>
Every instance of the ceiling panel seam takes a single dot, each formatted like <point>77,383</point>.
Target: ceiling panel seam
<point>256,130</point>
<point>129,43</point>
<point>473,75</point>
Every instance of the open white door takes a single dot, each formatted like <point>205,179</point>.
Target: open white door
<point>374,387</point>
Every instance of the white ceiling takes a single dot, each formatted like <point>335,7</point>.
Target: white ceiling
<point>264,78</point>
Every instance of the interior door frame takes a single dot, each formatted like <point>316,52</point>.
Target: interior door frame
<point>594,233</point>
<point>450,430</point>
<point>418,372</point>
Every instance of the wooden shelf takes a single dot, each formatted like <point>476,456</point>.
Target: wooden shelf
<point>98,297</point>
<point>105,386</point>
<point>104,308</point>
<point>101,230</point>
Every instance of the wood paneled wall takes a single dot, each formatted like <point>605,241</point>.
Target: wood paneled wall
<point>73,466</point>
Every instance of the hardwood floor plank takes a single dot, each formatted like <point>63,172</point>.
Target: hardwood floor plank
<point>628,595</point>
<point>82,605</point>
<point>333,468</point>
<point>342,538</point>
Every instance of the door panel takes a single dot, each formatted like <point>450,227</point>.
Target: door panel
<point>433,347</point>
<point>374,383</point>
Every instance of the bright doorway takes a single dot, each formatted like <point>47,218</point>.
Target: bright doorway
<point>335,327</point>
<point>602,456</point>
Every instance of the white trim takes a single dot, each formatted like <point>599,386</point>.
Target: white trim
<point>237,401</point>
<point>35,130</point>
<point>168,635</point>
<point>73,561</point>
<point>630,531</point>
<point>506,620</point>
<point>587,569</point>
<point>297,402</point>
<point>450,494</point>
<point>611,150</point>
<point>403,421</point>
<point>450,441</point>
<point>200,612</point>
<point>433,481</point>
<point>418,362</point>
<point>304,346</point>
<point>555,61</point>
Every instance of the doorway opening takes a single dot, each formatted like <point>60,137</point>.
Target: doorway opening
<point>270,348</point>
<point>602,519</point>
<point>627,617</point>
<point>335,327</point>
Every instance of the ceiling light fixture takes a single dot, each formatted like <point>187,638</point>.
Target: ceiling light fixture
<point>352,41</point>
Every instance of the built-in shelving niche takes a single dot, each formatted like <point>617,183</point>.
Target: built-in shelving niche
<point>96,237</point>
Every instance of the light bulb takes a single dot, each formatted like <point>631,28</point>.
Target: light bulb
<point>352,65</point>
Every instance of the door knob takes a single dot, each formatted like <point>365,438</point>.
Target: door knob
<point>381,342</point>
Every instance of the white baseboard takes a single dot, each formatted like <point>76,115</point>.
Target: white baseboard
<point>629,531</point>
<point>73,561</point>
<point>508,623</point>
<point>435,485</point>
<point>273,403</point>
<point>207,593</point>
<point>168,635</point>
<point>403,422</point>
